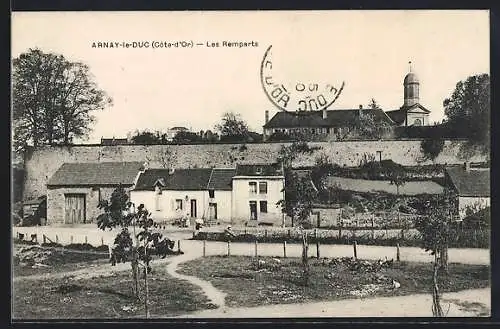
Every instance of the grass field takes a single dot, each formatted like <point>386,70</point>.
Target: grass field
<point>278,282</point>
<point>104,297</point>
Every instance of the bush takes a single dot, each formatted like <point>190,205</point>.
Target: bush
<point>432,147</point>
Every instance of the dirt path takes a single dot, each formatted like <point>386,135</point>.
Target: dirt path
<point>467,303</point>
<point>216,296</point>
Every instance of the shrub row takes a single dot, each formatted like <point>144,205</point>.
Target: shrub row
<point>464,239</point>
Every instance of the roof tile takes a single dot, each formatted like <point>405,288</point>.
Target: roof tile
<point>92,174</point>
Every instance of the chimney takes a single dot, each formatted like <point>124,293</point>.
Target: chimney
<point>467,166</point>
<point>266,117</point>
<point>360,109</point>
<point>325,114</point>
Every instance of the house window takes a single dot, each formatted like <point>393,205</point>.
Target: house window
<point>258,170</point>
<point>252,186</point>
<point>98,190</point>
<point>211,193</point>
<point>263,206</point>
<point>262,187</point>
<point>253,210</point>
<point>178,204</point>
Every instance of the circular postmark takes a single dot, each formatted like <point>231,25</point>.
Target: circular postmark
<point>299,96</point>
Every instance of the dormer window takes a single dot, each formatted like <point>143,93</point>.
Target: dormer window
<point>157,189</point>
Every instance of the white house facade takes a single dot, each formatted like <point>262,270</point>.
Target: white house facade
<point>245,195</point>
<point>257,189</point>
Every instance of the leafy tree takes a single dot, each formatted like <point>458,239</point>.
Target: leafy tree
<point>367,126</point>
<point>53,99</point>
<point>396,174</point>
<point>299,196</point>
<point>139,247</point>
<point>232,128</point>
<point>435,230</point>
<point>147,137</point>
<point>373,104</point>
<point>298,203</point>
<point>186,137</point>
<point>468,109</point>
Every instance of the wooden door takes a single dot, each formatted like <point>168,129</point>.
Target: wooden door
<point>74,208</point>
<point>193,208</point>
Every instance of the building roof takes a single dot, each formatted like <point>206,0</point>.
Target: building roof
<point>95,174</point>
<point>472,183</point>
<point>399,115</point>
<point>411,78</point>
<point>221,179</point>
<point>313,119</point>
<point>181,179</point>
<point>273,169</point>
<point>196,179</point>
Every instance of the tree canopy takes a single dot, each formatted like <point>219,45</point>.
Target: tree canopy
<point>53,99</point>
<point>468,109</point>
<point>232,128</point>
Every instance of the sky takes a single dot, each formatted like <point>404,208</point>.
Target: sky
<point>159,88</point>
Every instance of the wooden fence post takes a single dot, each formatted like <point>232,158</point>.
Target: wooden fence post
<point>204,248</point>
<point>355,250</point>
<point>86,241</point>
<point>178,245</point>
<point>102,241</point>
<point>256,254</point>
<point>71,239</point>
<point>284,249</point>
<point>397,253</point>
<point>44,238</point>
<point>57,239</point>
<point>317,243</point>
<point>229,248</point>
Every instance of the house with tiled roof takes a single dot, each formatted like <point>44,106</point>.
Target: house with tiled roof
<point>190,194</point>
<point>257,188</point>
<point>471,185</point>
<point>245,195</point>
<point>75,189</point>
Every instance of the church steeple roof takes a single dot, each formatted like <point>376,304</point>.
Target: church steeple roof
<point>411,77</point>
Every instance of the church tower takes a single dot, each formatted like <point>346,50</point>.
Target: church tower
<point>411,89</point>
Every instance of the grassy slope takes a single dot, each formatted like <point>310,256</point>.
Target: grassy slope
<point>274,284</point>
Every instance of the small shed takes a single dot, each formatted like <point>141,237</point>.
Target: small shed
<point>472,186</point>
<point>35,211</point>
